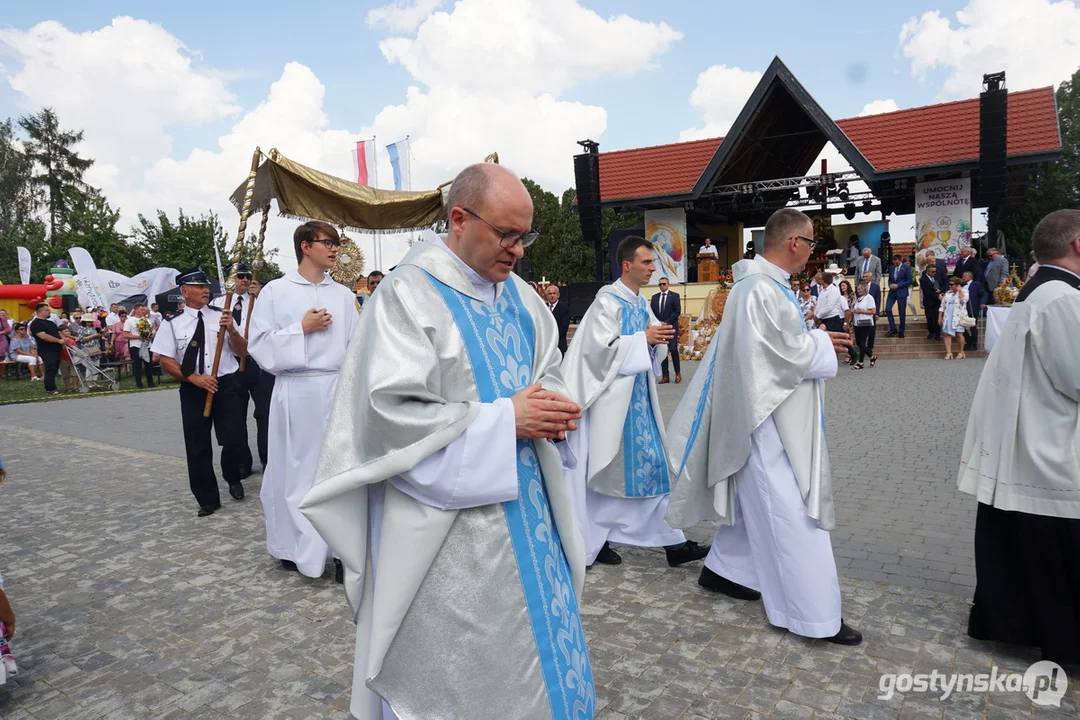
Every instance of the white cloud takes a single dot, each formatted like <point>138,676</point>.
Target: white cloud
<point>402,15</point>
<point>494,87</point>
<point>540,46</point>
<point>876,107</point>
<point>124,85</point>
<point>1037,42</point>
<point>720,93</point>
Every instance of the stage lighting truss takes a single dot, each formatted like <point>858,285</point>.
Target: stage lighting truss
<point>809,190</point>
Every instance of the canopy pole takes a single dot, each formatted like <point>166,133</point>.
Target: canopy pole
<point>230,283</point>
<point>255,278</point>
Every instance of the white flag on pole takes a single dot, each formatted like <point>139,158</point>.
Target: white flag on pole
<point>24,265</point>
<point>89,281</point>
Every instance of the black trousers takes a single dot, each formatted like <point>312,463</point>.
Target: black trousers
<point>51,363</point>
<point>971,337</point>
<point>258,388</point>
<point>226,416</point>
<point>864,338</point>
<point>673,355</point>
<point>931,310</point>
<point>139,368</point>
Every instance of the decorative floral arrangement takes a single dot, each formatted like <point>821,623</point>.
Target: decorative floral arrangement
<point>1008,290</point>
<point>144,328</point>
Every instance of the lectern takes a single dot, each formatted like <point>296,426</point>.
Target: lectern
<point>708,270</point>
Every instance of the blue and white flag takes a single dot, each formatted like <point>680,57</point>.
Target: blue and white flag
<point>399,162</point>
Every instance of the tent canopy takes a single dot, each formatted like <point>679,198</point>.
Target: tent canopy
<point>302,192</point>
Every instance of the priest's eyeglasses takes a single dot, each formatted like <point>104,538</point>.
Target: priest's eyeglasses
<point>508,239</point>
<point>809,241</point>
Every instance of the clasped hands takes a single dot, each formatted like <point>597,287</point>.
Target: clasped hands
<point>841,341</point>
<point>540,413</point>
<point>659,334</point>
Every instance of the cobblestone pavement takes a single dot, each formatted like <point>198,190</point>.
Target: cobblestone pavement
<point>131,607</point>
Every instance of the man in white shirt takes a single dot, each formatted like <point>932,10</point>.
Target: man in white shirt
<point>114,315</point>
<point>830,304</point>
<point>708,248</point>
<point>140,355</point>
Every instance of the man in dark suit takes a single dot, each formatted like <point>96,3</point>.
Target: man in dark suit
<point>941,274</point>
<point>899,284</point>
<point>967,263</point>
<point>561,311</point>
<point>977,297</point>
<point>931,301</point>
<point>667,308</point>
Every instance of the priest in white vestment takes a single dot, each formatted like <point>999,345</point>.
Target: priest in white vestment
<point>440,486</point>
<point>1021,459</point>
<point>748,445</point>
<point>300,329</point>
<point>622,483</point>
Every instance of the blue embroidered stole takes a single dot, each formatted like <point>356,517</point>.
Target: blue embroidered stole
<point>500,342</point>
<point>645,465</point>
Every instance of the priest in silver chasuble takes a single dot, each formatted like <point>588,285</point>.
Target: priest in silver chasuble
<point>622,480</point>
<point>440,484</point>
<point>1021,459</point>
<point>748,446</point>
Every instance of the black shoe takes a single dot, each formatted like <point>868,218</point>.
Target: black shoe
<point>339,572</point>
<point>891,333</point>
<point>901,335</point>
<point>718,583</point>
<point>607,556</point>
<point>929,336</point>
<point>846,636</point>
<point>689,552</point>
<point>209,509</point>
<point>289,565</point>
<point>245,473</point>
<point>237,491</point>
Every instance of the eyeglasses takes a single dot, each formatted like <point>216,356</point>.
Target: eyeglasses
<point>809,241</point>
<point>508,239</point>
<point>806,289</point>
<point>247,276</point>
<point>327,243</point>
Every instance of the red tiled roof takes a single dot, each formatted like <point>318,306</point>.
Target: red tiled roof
<point>656,170</point>
<point>927,136</point>
<point>949,133</point>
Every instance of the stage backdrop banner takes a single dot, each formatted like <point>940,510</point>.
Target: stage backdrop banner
<point>666,230</point>
<point>942,219</point>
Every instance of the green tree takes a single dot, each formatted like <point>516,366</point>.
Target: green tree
<point>92,226</point>
<point>189,242</point>
<point>58,169</point>
<point>560,255</point>
<point>1057,186</point>
<point>18,200</point>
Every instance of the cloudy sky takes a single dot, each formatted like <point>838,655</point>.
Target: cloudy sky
<point>174,97</point>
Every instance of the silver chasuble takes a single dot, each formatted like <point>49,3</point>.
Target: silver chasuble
<point>461,613</point>
<point>625,443</point>
<point>756,366</point>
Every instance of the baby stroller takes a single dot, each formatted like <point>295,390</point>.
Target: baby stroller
<point>87,370</point>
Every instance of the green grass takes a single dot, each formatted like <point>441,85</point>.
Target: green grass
<point>21,390</point>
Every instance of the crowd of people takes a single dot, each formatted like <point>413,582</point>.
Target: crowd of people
<point>118,337</point>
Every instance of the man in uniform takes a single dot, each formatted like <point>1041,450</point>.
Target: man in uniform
<point>186,343</point>
<point>258,384</point>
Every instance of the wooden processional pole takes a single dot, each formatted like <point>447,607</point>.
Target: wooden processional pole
<point>230,283</point>
<point>255,279</point>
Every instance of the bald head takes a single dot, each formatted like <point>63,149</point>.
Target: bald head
<point>478,185</point>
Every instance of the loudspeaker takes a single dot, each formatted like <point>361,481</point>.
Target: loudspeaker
<point>579,296</point>
<point>993,144</point>
<point>68,303</point>
<point>587,182</point>
<point>525,269</point>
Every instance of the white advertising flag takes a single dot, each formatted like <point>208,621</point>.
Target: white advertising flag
<point>89,282</point>
<point>24,265</point>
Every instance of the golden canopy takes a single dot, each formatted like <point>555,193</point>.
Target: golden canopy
<point>303,192</point>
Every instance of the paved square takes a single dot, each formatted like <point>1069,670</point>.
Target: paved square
<point>131,607</point>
